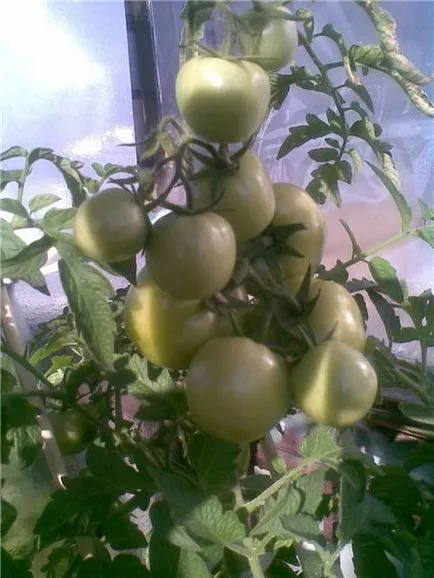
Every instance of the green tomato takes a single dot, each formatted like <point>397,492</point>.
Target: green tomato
<point>334,384</point>
<point>192,257</point>
<point>273,40</point>
<point>237,389</point>
<point>168,331</point>
<point>73,432</point>
<point>336,310</point>
<point>248,201</point>
<point>293,205</point>
<point>222,101</point>
<point>110,226</point>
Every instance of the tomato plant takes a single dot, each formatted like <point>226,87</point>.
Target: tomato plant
<point>110,226</point>
<point>194,392</point>
<point>233,408</point>
<point>334,384</point>
<point>222,101</point>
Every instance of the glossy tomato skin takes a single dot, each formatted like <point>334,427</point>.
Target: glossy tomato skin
<point>168,331</point>
<point>248,201</point>
<point>336,310</point>
<point>237,389</point>
<point>110,226</point>
<point>294,205</point>
<point>73,432</point>
<point>275,41</point>
<point>192,257</point>
<point>222,101</point>
<point>334,384</point>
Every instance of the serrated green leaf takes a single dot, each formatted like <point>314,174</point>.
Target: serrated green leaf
<point>303,527</point>
<point>332,142</point>
<point>13,152</point>
<point>357,159</point>
<point>8,516</point>
<point>324,184</point>
<point>31,258</point>
<point>20,430</point>
<point>406,335</point>
<point>13,206</point>
<point>427,234</point>
<point>203,516</point>
<point>168,560</point>
<point>213,460</point>
<point>353,509</point>
<point>401,203</point>
<point>164,526</point>
<point>384,274</point>
<point>334,121</point>
<point>368,55</point>
<point>56,220</point>
<point>311,488</point>
<point>370,560</point>
<point>39,202</point>
<point>323,154</point>
<point>320,445</point>
<point>390,320</point>
<point>286,503</point>
<point>300,135</point>
<point>87,292</point>
<point>280,85</point>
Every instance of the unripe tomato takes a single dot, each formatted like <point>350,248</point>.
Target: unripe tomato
<point>274,40</point>
<point>192,257</point>
<point>237,389</point>
<point>110,226</point>
<point>248,200</point>
<point>168,331</point>
<point>334,384</point>
<point>222,101</point>
<point>293,205</point>
<point>336,310</point>
<point>72,430</point>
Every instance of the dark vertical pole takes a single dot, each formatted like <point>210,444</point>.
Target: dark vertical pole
<point>143,69</point>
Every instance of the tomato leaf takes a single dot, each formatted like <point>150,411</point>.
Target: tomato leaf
<point>423,414</point>
<point>213,460</point>
<point>164,526</point>
<point>280,85</point>
<point>169,560</point>
<point>390,320</point>
<point>320,445</point>
<point>13,152</point>
<point>353,509</point>
<point>357,160</point>
<point>13,206</point>
<point>300,135</point>
<point>127,565</point>
<point>20,430</point>
<point>8,517</point>
<point>56,220</point>
<point>127,269</point>
<point>323,154</point>
<point>110,467</point>
<point>11,176</point>
<point>384,274</point>
<point>123,534</point>
<point>303,527</point>
<point>400,201</point>
<point>87,292</point>
<point>362,93</point>
<point>427,212</point>
<point>31,258</point>
<point>370,559</point>
<point>270,524</point>
<point>39,202</point>
<point>324,184</point>
<point>311,489</point>
<point>203,516</point>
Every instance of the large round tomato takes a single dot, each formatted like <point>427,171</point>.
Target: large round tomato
<point>248,199</point>
<point>222,101</point>
<point>168,331</point>
<point>192,257</point>
<point>72,430</point>
<point>334,384</point>
<point>110,226</point>
<point>336,311</point>
<point>237,389</point>
<point>293,205</point>
<point>274,40</point>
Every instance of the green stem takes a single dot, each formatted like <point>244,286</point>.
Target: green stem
<point>413,386</point>
<point>27,365</point>
<point>274,488</point>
